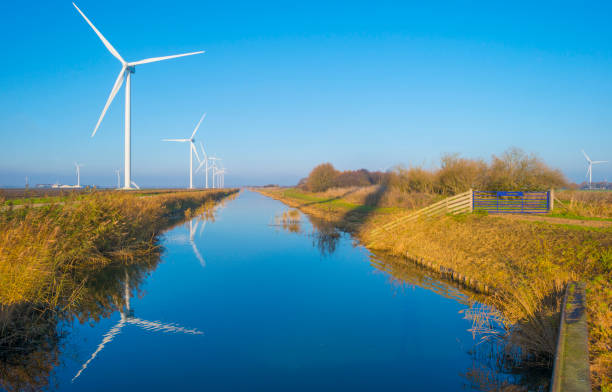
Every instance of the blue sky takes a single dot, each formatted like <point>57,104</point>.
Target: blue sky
<point>289,85</point>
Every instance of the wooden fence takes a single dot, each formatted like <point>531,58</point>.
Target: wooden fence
<point>458,204</point>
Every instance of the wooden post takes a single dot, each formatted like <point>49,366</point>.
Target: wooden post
<point>551,195</point>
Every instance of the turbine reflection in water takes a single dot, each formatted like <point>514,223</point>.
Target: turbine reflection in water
<point>127,318</point>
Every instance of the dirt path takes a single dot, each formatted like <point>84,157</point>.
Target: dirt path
<point>556,220</point>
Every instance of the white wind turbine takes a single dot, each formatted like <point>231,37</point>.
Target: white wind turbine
<point>192,149</point>
<point>127,317</point>
<point>118,171</point>
<point>221,177</point>
<point>78,172</point>
<point>214,169</point>
<point>204,163</point>
<point>124,75</point>
<point>590,169</point>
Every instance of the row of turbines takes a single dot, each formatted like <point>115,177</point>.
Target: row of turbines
<point>207,165</point>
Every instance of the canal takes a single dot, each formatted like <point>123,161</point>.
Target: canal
<point>244,301</point>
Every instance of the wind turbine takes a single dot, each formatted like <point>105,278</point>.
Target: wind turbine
<point>124,75</point>
<point>214,169</point>
<point>118,171</point>
<point>78,171</point>
<point>192,149</point>
<point>203,162</point>
<point>590,169</point>
<point>127,317</point>
<point>221,177</point>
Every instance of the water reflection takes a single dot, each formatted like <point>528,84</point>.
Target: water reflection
<point>127,317</point>
<point>497,363</point>
<point>325,236</point>
<point>289,220</point>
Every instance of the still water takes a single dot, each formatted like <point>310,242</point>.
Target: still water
<point>239,303</point>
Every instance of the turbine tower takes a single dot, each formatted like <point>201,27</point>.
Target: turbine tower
<point>192,149</point>
<point>118,171</point>
<point>589,173</point>
<point>214,169</point>
<point>124,75</point>
<point>204,162</point>
<point>78,171</point>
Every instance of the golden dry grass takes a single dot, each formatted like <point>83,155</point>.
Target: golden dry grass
<point>594,204</point>
<point>40,248</point>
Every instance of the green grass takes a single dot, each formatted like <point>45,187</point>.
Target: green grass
<point>336,202</point>
<point>35,200</point>
<point>568,215</point>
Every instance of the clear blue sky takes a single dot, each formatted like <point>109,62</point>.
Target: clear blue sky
<point>289,85</point>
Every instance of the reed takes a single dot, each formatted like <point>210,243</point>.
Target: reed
<point>581,203</point>
<point>41,248</point>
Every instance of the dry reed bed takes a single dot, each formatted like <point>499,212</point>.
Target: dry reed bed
<point>593,204</point>
<point>41,249</point>
<point>526,265</point>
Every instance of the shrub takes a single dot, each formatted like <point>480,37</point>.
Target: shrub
<point>321,177</point>
<point>414,179</point>
<point>459,174</point>
<point>516,170</point>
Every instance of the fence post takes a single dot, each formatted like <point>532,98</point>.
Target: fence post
<point>551,199</point>
<point>471,200</point>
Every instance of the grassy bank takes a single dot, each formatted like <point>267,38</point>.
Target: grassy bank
<point>523,264</point>
<point>42,248</point>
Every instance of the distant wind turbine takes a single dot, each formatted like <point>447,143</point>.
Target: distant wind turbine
<point>78,171</point>
<point>118,171</point>
<point>589,173</point>
<point>192,149</point>
<point>214,169</point>
<point>204,162</point>
<point>124,75</point>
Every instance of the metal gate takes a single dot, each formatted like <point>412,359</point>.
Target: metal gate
<point>511,202</point>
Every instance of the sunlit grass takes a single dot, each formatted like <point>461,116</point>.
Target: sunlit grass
<point>40,247</point>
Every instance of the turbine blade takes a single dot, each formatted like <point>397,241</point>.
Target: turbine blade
<point>135,185</point>
<point>176,140</point>
<point>161,327</point>
<point>104,41</point>
<point>596,162</point>
<point>107,338</point>
<point>203,152</point>
<point>196,151</point>
<point>586,156</point>
<point>197,126</point>
<point>202,162</point>
<point>116,87</point>
<point>154,59</point>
